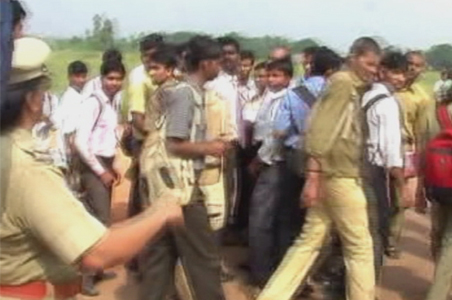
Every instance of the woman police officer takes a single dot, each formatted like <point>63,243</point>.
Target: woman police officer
<point>46,235</point>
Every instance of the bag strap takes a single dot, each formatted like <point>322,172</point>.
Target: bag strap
<point>101,110</point>
<point>373,101</point>
<point>445,120</point>
<point>305,95</point>
<point>365,126</point>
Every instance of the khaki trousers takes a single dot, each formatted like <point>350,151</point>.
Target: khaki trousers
<point>345,206</point>
<point>398,210</point>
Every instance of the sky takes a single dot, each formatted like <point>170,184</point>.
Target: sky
<point>404,23</point>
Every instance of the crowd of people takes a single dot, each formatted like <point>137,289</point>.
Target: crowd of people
<point>312,173</point>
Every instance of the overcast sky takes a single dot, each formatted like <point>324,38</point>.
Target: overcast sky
<point>409,23</point>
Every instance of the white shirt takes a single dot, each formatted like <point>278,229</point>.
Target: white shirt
<point>48,137</point>
<point>69,110</point>
<point>252,107</point>
<point>247,92</point>
<point>385,134</point>
<point>96,134</point>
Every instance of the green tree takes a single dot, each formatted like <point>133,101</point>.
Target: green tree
<point>440,56</point>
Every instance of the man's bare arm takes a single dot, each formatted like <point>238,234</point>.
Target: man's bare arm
<point>190,150</point>
<point>125,240</point>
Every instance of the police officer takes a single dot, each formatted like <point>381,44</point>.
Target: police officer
<point>45,232</point>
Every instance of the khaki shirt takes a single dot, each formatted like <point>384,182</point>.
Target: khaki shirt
<point>333,136</point>
<point>414,101</point>
<point>139,91</point>
<point>44,229</point>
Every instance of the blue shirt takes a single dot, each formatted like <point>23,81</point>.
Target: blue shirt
<point>294,111</point>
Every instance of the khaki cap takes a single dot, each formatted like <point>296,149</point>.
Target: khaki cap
<point>28,61</point>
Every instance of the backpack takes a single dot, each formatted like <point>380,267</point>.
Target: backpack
<point>438,159</point>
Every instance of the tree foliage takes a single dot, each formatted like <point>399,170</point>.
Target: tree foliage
<point>103,35</point>
<point>440,56</point>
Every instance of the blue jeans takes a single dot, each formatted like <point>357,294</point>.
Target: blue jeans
<point>264,203</point>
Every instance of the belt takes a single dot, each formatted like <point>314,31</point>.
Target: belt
<point>38,290</point>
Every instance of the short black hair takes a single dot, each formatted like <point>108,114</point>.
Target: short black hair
<point>365,45</point>
<point>227,40</point>
<point>77,67</point>
<point>260,66</point>
<point>18,12</point>
<point>283,65</point>
<point>324,60</point>
<point>200,48</point>
<point>395,61</point>
<point>310,50</point>
<point>112,66</point>
<point>246,54</point>
<point>165,55</point>
<point>151,41</point>
<point>112,54</point>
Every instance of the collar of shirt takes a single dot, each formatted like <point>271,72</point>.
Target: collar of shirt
<point>377,89</point>
<point>275,95</point>
<point>194,83</point>
<point>248,85</point>
<point>100,94</point>
<point>73,89</point>
<point>228,77</point>
<point>315,84</point>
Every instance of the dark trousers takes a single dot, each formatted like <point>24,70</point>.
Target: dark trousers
<point>195,246</point>
<point>134,206</point>
<point>290,217</point>
<point>263,214</point>
<point>374,189</point>
<point>97,198</point>
<point>246,186</point>
<point>383,193</point>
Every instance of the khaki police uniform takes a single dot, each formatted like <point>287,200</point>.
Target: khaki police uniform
<point>44,229</point>
<point>335,120</point>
